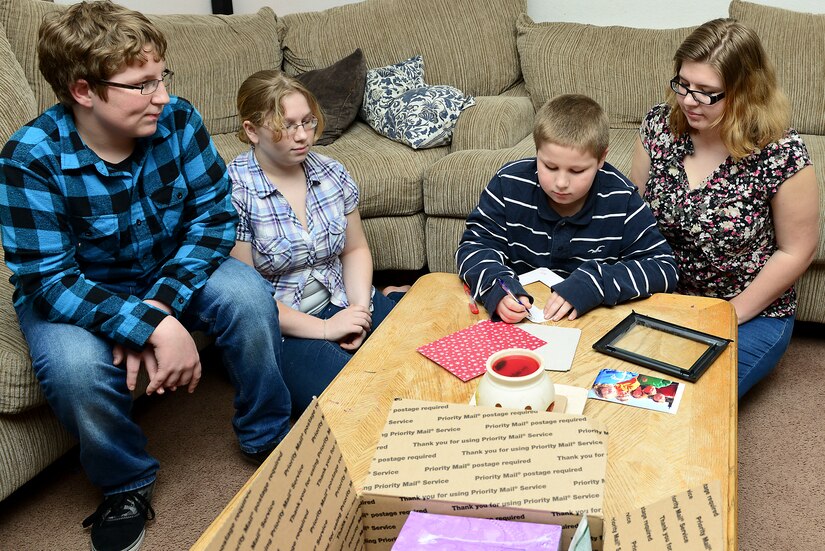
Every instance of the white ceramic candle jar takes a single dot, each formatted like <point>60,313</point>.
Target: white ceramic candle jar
<point>516,378</point>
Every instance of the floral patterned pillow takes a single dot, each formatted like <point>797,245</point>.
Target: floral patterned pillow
<point>399,105</point>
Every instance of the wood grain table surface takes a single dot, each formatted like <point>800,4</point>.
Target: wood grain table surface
<point>651,455</point>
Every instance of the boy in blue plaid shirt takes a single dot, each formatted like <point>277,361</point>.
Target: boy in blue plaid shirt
<point>117,225</point>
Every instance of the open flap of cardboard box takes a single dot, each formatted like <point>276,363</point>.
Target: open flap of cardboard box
<point>457,460</point>
<point>685,521</point>
<point>302,497</point>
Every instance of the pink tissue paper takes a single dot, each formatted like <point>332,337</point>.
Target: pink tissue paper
<point>449,533</point>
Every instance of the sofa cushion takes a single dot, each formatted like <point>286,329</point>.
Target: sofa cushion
<point>339,90</point>
<point>795,42</point>
<point>19,390</point>
<point>388,173</point>
<point>399,105</point>
<point>213,54</point>
<point>469,44</point>
<point>21,19</point>
<point>19,104</point>
<point>816,148</point>
<point>495,122</point>
<point>626,70</point>
<point>210,54</point>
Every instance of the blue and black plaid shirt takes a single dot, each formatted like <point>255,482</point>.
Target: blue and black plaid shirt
<point>88,242</point>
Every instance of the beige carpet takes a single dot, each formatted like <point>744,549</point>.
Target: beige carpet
<point>781,466</point>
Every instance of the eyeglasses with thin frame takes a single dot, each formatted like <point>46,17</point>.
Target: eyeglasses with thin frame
<point>701,97</point>
<point>148,87</point>
<point>308,125</point>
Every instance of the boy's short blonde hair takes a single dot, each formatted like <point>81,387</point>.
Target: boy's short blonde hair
<point>93,41</point>
<point>260,97</point>
<point>575,121</point>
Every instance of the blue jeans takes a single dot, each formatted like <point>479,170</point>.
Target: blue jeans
<point>761,342</point>
<point>89,395</point>
<point>311,364</point>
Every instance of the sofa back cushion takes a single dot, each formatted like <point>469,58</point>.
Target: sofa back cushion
<point>18,387</point>
<point>19,104</point>
<point>626,70</point>
<point>795,43</point>
<point>213,54</point>
<point>469,44</point>
<point>21,19</point>
<point>210,54</point>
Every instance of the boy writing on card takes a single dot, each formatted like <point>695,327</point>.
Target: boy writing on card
<point>568,210</point>
<point>117,225</point>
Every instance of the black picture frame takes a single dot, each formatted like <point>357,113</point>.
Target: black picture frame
<point>714,346</point>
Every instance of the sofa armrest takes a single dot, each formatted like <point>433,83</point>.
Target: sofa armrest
<point>494,122</point>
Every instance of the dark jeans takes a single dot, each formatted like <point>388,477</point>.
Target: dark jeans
<point>311,364</point>
<point>762,341</point>
<point>89,394</point>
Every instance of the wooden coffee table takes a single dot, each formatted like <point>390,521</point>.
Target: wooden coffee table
<point>651,455</point>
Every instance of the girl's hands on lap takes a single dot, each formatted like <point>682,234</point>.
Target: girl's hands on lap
<point>348,324</point>
<point>353,342</point>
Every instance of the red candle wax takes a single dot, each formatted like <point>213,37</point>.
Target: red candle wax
<point>517,365</point>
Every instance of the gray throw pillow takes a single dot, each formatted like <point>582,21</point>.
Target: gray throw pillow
<point>339,90</point>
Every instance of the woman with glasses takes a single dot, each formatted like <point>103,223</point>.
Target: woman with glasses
<point>300,228</point>
<point>732,187</point>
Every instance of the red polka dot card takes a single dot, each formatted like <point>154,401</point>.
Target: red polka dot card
<point>465,352</point>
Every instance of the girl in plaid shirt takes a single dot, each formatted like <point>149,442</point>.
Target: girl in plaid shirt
<point>300,228</point>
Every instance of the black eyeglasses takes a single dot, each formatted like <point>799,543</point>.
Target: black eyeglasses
<point>147,88</point>
<point>701,97</point>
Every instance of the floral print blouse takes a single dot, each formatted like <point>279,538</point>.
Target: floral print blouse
<point>722,232</point>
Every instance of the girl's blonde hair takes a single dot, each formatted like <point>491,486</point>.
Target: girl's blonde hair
<point>756,111</point>
<point>93,41</point>
<point>259,102</point>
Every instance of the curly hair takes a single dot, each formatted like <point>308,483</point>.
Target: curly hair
<point>93,41</point>
<point>756,111</point>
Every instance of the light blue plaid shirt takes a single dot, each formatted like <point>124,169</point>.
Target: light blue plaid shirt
<point>87,242</point>
<point>284,252</point>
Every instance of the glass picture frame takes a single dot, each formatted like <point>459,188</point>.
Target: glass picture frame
<point>678,351</point>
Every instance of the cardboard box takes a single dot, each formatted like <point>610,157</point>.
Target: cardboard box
<point>426,531</point>
<point>456,460</point>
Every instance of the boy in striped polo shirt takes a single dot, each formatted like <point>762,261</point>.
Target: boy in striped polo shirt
<point>568,210</point>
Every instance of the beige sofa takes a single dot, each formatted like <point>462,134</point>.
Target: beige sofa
<point>413,202</point>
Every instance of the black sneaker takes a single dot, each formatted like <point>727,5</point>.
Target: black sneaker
<point>256,458</point>
<point>118,524</point>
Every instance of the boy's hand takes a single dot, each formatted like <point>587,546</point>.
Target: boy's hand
<point>133,362</point>
<point>178,361</point>
<point>556,308</point>
<point>511,311</point>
